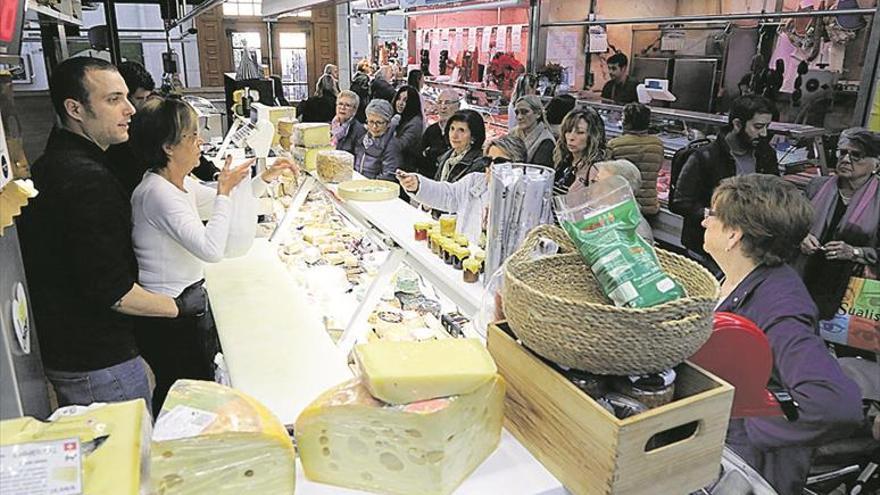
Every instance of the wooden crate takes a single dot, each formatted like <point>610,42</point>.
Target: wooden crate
<point>591,451</point>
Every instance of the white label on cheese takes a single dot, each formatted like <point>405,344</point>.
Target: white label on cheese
<point>41,468</point>
<point>182,422</point>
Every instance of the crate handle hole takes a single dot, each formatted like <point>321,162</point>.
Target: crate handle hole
<point>673,436</point>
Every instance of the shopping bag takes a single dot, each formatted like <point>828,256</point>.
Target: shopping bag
<point>857,321</point>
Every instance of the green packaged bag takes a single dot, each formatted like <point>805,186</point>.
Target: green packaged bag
<point>602,222</point>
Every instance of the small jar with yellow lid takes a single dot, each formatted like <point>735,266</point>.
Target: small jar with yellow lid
<point>447,225</point>
<point>420,230</point>
<point>481,258</point>
<point>461,240</point>
<point>471,267</point>
<point>461,254</point>
<point>449,247</point>
<point>434,239</point>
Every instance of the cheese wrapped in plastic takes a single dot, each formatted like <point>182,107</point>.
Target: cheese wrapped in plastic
<point>114,444</point>
<point>335,166</point>
<point>211,439</point>
<point>311,135</point>
<point>306,158</point>
<point>405,372</point>
<point>348,438</point>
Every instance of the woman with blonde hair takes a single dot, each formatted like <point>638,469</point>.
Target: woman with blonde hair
<point>581,144</point>
<point>533,129</point>
<point>526,84</point>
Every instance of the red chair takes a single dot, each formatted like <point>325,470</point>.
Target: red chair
<point>739,353</point>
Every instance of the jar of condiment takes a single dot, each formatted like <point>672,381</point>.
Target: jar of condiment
<point>653,390</point>
<point>481,257</point>
<point>461,240</point>
<point>420,231</point>
<point>435,239</point>
<point>447,225</point>
<point>461,254</point>
<point>449,248</point>
<point>471,273</point>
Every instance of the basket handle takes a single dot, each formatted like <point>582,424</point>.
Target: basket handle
<point>552,232</point>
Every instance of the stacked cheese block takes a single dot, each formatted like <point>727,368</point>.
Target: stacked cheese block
<point>335,166</point>
<point>420,418</point>
<point>211,439</point>
<point>309,139</point>
<point>114,444</point>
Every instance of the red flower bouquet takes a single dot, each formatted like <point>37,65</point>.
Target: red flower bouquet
<point>503,71</point>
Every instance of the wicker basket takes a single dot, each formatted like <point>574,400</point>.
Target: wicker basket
<point>556,307</point>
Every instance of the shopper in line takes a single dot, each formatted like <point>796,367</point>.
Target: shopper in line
<point>753,226</point>
<point>170,241</point>
<point>843,239</point>
<point>320,107</point>
<point>644,150</point>
<point>408,128</point>
<point>377,155</point>
<point>582,145</point>
<point>416,79</point>
<point>532,128</point>
<point>620,88</point>
<point>346,130</point>
<point>121,160</point>
<point>557,109</point>
<point>83,298</point>
<point>360,84</point>
<point>526,85</point>
<point>333,71</point>
<point>139,82</point>
<point>743,148</point>
<point>467,132</point>
<point>382,87</point>
<point>469,197</point>
<point>434,141</point>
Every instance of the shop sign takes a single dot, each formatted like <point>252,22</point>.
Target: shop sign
<point>408,4</point>
<point>383,4</point>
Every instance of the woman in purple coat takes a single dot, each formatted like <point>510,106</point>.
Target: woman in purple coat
<point>754,227</point>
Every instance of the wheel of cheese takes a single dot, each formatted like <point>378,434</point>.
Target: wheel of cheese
<point>368,190</point>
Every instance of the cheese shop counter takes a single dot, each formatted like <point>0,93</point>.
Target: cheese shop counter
<point>277,348</point>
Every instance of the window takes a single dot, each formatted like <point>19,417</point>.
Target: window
<point>253,8</point>
<point>241,40</point>
<point>294,69</point>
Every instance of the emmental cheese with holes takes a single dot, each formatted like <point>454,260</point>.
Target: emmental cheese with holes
<point>348,438</point>
<point>405,372</point>
<point>211,439</point>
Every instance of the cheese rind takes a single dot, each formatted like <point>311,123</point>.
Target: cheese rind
<point>241,448</point>
<point>404,372</point>
<point>306,158</point>
<point>116,466</point>
<point>348,438</point>
<point>311,135</point>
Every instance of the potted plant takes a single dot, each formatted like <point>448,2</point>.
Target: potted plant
<point>503,71</point>
<point>554,74</point>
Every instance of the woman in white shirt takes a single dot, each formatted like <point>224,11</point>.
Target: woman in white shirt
<point>172,243</point>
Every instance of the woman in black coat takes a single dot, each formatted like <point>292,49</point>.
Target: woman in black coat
<point>322,106</point>
<point>410,126</point>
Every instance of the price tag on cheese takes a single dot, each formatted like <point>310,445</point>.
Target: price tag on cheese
<point>182,422</point>
<point>42,468</point>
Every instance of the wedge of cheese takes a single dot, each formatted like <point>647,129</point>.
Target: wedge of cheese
<point>114,444</point>
<point>306,158</point>
<point>211,439</point>
<point>404,372</point>
<point>348,438</point>
<point>311,135</point>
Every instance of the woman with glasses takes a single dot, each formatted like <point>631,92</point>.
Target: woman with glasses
<point>582,144</point>
<point>434,141</point>
<point>345,129</point>
<point>753,228</point>
<point>844,235</point>
<point>469,197</point>
<point>533,129</point>
<point>466,132</point>
<point>410,126</point>
<point>170,241</point>
<point>377,155</point>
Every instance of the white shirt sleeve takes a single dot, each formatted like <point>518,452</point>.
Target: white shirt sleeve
<point>173,214</point>
<point>204,196</point>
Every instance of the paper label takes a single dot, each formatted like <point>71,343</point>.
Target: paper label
<point>41,468</point>
<point>516,38</point>
<point>472,39</point>
<point>487,35</point>
<point>501,39</point>
<point>182,422</point>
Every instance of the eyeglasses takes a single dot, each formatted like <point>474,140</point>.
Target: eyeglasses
<point>377,123</point>
<point>340,104</point>
<point>492,160</point>
<point>445,103</point>
<point>853,154</point>
<point>708,212</point>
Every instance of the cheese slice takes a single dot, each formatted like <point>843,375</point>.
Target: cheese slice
<point>310,135</point>
<point>211,439</point>
<point>348,438</point>
<point>112,466</point>
<point>404,372</point>
<point>306,158</point>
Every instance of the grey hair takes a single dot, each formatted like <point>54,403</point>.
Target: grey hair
<point>351,95</point>
<point>869,141</point>
<point>380,107</point>
<point>512,146</point>
<point>625,169</point>
<point>535,104</point>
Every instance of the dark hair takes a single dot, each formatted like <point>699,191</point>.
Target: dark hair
<point>68,81</point>
<point>413,104</point>
<point>745,107</point>
<point>558,107</point>
<point>136,76</point>
<point>413,78</point>
<point>772,213</point>
<point>161,121</point>
<point>636,117</point>
<point>618,59</point>
<point>475,124</point>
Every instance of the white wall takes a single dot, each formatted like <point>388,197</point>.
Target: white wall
<point>343,49</point>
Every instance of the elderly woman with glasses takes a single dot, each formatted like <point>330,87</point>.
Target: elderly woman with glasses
<point>469,197</point>
<point>843,238</point>
<point>171,242</point>
<point>345,129</point>
<point>753,228</point>
<point>533,129</point>
<point>377,155</point>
